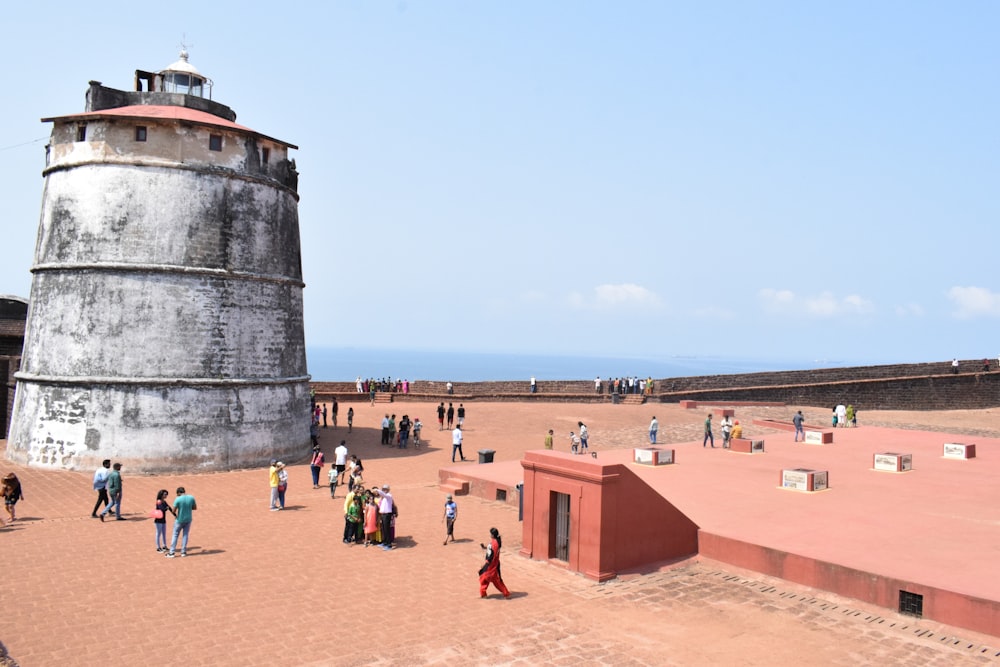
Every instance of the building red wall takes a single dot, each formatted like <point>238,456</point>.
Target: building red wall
<point>617,521</point>
<point>949,607</point>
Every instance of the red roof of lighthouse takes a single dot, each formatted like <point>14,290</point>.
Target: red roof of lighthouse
<point>163,112</point>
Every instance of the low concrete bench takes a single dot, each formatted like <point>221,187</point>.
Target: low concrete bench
<point>958,450</point>
<point>803,479</point>
<point>746,446</point>
<point>652,456</point>
<point>892,462</point>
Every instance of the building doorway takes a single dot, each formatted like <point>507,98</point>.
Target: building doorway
<point>561,515</point>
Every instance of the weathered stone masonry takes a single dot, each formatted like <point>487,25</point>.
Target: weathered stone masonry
<point>165,328</point>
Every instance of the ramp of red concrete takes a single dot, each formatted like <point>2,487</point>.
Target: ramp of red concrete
<point>930,531</point>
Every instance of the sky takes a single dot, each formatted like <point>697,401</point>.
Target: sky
<point>780,180</point>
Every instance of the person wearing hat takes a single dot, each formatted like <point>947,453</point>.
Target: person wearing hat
<point>737,431</point>
<point>450,514</point>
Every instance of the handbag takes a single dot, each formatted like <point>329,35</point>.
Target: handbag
<point>156,514</point>
<point>282,487</point>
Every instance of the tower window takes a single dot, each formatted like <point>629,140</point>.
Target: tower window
<point>81,132</point>
<point>140,133</point>
<point>265,155</point>
<point>215,142</point>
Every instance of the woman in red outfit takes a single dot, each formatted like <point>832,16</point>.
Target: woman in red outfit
<point>489,573</point>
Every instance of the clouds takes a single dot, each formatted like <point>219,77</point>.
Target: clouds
<point>606,297</point>
<point>974,302</point>
<point>822,305</point>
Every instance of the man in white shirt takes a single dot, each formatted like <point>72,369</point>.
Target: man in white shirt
<point>386,506</point>
<point>456,443</point>
<point>654,426</point>
<point>340,459</point>
<point>101,486</point>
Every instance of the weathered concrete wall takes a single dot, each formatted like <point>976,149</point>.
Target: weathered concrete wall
<point>165,328</point>
<point>158,428</point>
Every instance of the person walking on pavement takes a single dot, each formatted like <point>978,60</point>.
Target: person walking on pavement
<point>101,486</point>
<point>708,432</point>
<point>654,426</point>
<point>461,414</point>
<point>489,573</point>
<point>451,415</point>
<point>115,493</point>
<point>184,505</point>
<point>11,491</point>
<point>797,420</point>
<point>340,460</point>
<point>450,514</point>
<point>440,411</point>
<point>316,465</point>
<point>456,443</point>
<point>584,434</point>
<point>350,419</point>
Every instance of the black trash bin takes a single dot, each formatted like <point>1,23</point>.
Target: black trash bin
<point>486,455</point>
<point>614,398</point>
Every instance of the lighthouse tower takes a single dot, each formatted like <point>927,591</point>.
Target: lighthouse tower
<point>164,325</point>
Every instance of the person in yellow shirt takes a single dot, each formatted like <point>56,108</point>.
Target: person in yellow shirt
<point>737,431</point>
<point>273,481</point>
<point>548,440</point>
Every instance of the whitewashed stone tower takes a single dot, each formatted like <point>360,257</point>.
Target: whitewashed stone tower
<point>165,321</point>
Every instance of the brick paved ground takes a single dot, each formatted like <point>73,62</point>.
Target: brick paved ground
<point>261,587</point>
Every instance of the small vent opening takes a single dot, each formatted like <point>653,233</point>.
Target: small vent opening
<point>911,603</point>
<point>502,495</point>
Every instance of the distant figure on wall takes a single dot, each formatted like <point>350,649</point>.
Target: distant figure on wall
<point>532,385</point>
<point>597,385</point>
<point>986,365</point>
<point>954,365</point>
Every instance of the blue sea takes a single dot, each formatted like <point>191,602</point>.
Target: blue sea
<point>346,364</point>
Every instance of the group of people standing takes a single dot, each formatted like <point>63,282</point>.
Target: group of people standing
<point>372,385</point>
<point>399,434</point>
<point>844,416</point>
<point>625,385</point>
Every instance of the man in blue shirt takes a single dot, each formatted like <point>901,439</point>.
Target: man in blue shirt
<point>184,505</point>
